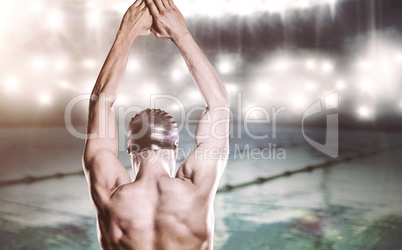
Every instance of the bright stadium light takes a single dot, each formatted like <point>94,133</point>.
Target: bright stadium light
<point>121,100</point>
<point>176,74</point>
<point>364,65</point>
<point>364,112</point>
<point>310,64</point>
<point>6,8</point>
<point>44,98</point>
<point>276,6</point>
<point>327,67</point>
<point>186,7</point>
<point>39,63</point>
<point>120,7</point>
<point>303,4</point>
<point>64,84</point>
<point>89,63</point>
<point>93,18</point>
<point>299,101</point>
<point>332,101</point>
<point>366,86</point>
<point>178,70</point>
<point>311,86</point>
<point>91,4</point>
<point>204,6</point>
<point>231,87</point>
<point>225,67</point>
<point>385,66</point>
<point>61,64</point>
<point>340,84</point>
<point>11,83</point>
<point>36,6</point>
<point>281,64</point>
<point>241,7</point>
<point>398,58</point>
<point>55,19</point>
<point>133,65</point>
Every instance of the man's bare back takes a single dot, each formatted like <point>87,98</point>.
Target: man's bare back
<point>162,208</point>
<point>148,217</point>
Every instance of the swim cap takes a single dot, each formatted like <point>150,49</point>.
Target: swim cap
<point>152,129</point>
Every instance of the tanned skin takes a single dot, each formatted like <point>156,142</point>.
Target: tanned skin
<point>157,210</point>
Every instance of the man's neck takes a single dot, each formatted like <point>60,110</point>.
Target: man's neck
<point>155,170</point>
<point>156,164</point>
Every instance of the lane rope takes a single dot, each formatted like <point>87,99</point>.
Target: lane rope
<point>227,188</point>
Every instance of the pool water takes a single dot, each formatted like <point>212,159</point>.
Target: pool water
<point>354,204</point>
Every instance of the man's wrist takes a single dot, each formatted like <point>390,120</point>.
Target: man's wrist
<point>126,37</point>
<point>183,39</point>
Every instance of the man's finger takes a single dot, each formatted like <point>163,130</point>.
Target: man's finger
<point>152,7</point>
<point>165,3</point>
<point>171,3</point>
<point>142,5</point>
<point>137,3</point>
<point>145,8</point>
<point>159,5</point>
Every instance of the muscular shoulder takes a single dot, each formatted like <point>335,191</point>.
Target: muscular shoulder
<point>203,175</point>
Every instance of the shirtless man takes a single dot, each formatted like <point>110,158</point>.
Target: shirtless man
<point>158,210</point>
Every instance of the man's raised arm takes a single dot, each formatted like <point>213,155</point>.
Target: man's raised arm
<point>205,165</point>
<point>102,168</point>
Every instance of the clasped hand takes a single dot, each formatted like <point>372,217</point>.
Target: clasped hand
<point>161,17</point>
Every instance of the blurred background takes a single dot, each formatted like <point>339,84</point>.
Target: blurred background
<point>276,58</point>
